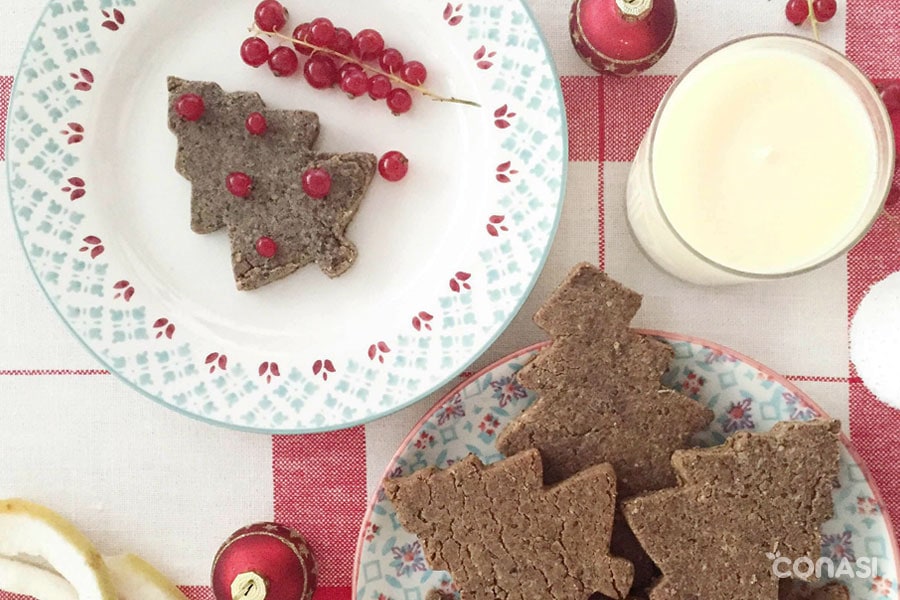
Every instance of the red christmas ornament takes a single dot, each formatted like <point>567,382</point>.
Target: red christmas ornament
<point>264,561</point>
<point>622,37</point>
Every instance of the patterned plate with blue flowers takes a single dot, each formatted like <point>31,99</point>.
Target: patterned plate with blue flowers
<point>744,395</point>
<point>446,256</point>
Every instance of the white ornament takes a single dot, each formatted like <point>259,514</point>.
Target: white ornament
<point>875,340</point>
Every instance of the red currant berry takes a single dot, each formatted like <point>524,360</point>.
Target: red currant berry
<point>368,44</point>
<point>379,87</point>
<point>399,101</point>
<point>301,32</point>
<point>824,10</point>
<point>797,11</point>
<point>266,247</point>
<point>413,72</point>
<point>347,68</point>
<point>891,97</point>
<point>190,107</point>
<point>316,183</point>
<point>342,42</point>
<point>283,61</point>
<point>393,166</point>
<point>321,32</point>
<point>255,51</point>
<point>320,72</point>
<point>270,15</point>
<point>390,60</point>
<point>239,184</point>
<point>256,123</point>
<point>355,83</point>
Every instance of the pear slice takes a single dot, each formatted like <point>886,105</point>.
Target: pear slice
<point>26,579</point>
<point>136,579</point>
<point>31,530</point>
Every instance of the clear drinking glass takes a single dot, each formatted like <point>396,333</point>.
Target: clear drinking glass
<point>665,245</point>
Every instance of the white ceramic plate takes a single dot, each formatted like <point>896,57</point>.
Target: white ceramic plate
<point>743,394</point>
<point>446,256</point>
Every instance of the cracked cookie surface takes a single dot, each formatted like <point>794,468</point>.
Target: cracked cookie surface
<point>600,398</point>
<point>753,495</point>
<point>503,535</point>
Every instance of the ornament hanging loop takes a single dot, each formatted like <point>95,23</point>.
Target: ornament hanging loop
<point>248,586</point>
<point>635,9</point>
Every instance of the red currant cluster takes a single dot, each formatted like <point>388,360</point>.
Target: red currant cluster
<point>359,64</point>
<point>798,11</point>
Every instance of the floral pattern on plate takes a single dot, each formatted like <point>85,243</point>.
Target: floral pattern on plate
<point>743,395</point>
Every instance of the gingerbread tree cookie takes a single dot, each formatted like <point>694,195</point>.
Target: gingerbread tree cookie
<point>247,172</point>
<point>217,143</point>
<point>502,534</point>
<point>600,393</point>
<point>739,503</point>
<point>302,229</point>
<point>601,398</point>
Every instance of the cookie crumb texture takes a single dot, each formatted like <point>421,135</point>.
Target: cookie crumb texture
<point>305,230</point>
<point>755,494</point>
<point>796,590</point>
<point>600,396</point>
<point>502,534</point>
<point>601,400</point>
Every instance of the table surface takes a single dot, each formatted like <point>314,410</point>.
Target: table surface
<point>140,478</point>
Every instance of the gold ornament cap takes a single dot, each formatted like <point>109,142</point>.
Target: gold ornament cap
<point>635,9</point>
<point>248,586</point>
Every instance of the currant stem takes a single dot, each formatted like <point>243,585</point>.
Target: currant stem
<point>813,20</point>
<point>398,80</point>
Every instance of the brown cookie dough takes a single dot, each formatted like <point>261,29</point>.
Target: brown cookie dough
<point>795,590</point>
<point>755,494</point>
<point>600,394</point>
<point>218,143</point>
<point>601,399</point>
<point>502,534</point>
<point>304,230</point>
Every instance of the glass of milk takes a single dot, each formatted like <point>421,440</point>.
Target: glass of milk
<point>768,157</point>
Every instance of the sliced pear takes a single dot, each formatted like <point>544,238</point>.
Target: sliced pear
<point>27,579</point>
<point>31,530</point>
<point>136,579</point>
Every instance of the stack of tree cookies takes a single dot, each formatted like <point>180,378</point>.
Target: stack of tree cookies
<point>603,491</point>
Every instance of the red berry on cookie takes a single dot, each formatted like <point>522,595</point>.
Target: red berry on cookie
<point>190,107</point>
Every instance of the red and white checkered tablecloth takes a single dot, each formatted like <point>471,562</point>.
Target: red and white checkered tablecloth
<point>138,477</point>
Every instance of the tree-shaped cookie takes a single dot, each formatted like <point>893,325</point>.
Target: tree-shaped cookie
<point>304,229</point>
<point>740,504</point>
<point>502,534</point>
<point>601,399</point>
<point>252,169</point>
<point>218,142</point>
<point>600,394</point>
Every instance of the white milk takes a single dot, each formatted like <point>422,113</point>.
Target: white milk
<point>765,161</point>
